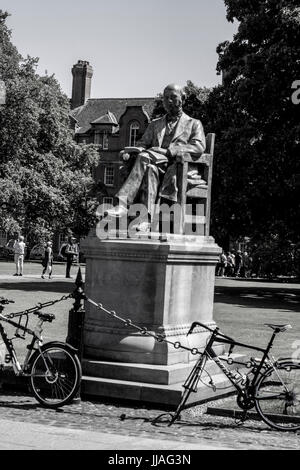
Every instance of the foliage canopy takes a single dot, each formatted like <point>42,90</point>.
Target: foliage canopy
<point>46,179</point>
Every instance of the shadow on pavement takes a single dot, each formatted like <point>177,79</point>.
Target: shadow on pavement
<point>64,287</point>
<point>19,405</point>
<point>259,297</point>
<point>197,422</point>
<point>277,280</point>
<point>208,425</point>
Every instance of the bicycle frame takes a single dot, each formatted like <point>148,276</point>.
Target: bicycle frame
<point>37,339</point>
<point>191,382</point>
<point>217,337</point>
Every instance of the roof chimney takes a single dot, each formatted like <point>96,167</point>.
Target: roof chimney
<point>82,78</point>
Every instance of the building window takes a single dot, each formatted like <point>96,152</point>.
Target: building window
<point>97,138</point>
<point>109,175</point>
<point>105,141</point>
<point>133,133</point>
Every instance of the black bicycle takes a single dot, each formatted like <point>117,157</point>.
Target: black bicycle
<point>53,368</point>
<point>272,387</point>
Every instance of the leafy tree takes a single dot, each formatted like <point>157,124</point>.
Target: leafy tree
<point>46,179</point>
<point>256,177</point>
<point>257,168</point>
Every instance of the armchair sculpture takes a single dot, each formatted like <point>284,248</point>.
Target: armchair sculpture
<point>194,192</point>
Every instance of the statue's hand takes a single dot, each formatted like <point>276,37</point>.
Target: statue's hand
<point>124,155</point>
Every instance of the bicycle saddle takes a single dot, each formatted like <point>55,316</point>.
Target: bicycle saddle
<point>45,316</point>
<point>278,328</point>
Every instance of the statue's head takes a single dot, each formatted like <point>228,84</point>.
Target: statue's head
<point>173,99</point>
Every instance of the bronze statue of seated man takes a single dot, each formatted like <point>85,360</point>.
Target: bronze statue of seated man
<point>153,174</point>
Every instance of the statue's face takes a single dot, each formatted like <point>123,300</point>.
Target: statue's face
<point>172,101</point>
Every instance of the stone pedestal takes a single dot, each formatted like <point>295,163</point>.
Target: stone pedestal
<point>163,285</point>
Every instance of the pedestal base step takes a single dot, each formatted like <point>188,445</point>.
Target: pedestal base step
<point>168,396</point>
<point>150,384</point>
<point>148,373</point>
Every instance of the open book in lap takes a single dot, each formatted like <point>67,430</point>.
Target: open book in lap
<point>155,157</point>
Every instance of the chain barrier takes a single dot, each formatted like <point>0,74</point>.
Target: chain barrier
<point>129,323</point>
<point>39,306</point>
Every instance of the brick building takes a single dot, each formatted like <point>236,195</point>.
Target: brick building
<point>110,123</point>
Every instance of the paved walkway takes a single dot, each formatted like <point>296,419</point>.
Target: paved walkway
<point>31,436</point>
<point>106,425</point>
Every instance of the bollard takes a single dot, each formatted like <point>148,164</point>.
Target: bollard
<point>76,322</point>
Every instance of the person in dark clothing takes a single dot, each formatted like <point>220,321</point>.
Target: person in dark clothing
<point>247,265</point>
<point>71,254</point>
<point>238,264</point>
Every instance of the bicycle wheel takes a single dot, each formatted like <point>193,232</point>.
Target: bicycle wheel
<point>277,396</point>
<point>55,375</point>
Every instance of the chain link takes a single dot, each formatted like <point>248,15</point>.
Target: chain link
<point>143,330</point>
<point>39,306</point>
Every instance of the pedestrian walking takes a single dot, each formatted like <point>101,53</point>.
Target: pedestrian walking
<point>247,265</point>
<point>229,265</point>
<point>238,263</point>
<point>71,254</point>
<point>222,265</point>
<point>47,261</point>
<point>19,251</point>
<point>62,251</point>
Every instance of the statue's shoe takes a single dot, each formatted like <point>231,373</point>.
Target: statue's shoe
<point>117,211</point>
<point>143,227</point>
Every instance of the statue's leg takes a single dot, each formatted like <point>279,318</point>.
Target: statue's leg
<point>150,189</point>
<point>130,188</point>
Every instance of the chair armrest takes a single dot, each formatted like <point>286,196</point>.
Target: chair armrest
<point>205,158</point>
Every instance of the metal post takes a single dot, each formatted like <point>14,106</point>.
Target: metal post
<point>76,320</point>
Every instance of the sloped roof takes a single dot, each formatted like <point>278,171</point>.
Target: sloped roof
<point>108,118</point>
<point>82,130</point>
<point>96,108</point>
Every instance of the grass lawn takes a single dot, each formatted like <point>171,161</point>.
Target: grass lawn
<point>242,307</point>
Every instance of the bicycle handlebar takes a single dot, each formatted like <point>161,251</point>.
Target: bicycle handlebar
<point>197,323</point>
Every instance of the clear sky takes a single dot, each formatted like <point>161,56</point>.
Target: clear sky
<point>135,47</point>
